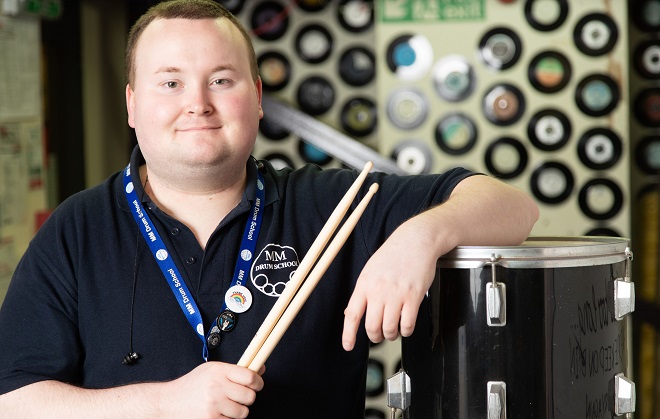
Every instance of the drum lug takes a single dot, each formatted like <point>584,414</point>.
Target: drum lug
<point>496,397</point>
<point>398,391</point>
<point>495,298</point>
<point>622,395</point>
<point>624,298</point>
<point>623,294</point>
<point>496,304</point>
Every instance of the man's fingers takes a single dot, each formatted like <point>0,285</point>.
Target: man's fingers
<point>408,319</point>
<point>247,378</point>
<point>352,316</point>
<point>391,318</point>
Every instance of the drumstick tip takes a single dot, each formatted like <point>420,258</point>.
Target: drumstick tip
<point>368,166</point>
<point>373,188</point>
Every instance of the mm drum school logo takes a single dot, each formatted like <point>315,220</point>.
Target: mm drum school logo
<point>273,268</point>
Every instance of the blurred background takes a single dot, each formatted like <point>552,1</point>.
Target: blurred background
<point>559,98</point>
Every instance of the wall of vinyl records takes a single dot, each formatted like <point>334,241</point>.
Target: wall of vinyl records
<point>644,44</point>
<point>559,98</point>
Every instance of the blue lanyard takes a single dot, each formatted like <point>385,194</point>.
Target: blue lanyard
<point>169,269</point>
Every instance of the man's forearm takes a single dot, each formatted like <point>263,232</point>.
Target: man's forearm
<point>481,211</point>
<point>54,399</point>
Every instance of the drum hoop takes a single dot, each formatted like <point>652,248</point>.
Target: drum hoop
<point>542,252</point>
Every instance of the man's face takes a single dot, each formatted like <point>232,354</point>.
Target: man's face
<point>193,102</point>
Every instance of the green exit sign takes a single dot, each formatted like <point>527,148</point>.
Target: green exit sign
<point>50,9</point>
<point>390,11</point>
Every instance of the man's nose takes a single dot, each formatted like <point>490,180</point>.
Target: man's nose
<point>199,102</point>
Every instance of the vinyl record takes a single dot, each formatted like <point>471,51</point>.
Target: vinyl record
<point>549,71</point>
<point>275,70</point>
<point>234,6</point>
<point>279,161</point>
<point>500,48</point>
<point>372,413</point>
<point>552,182</point>
<point>603,232</point>
<point>599,148</point>
<point>356,15</point>
<point>271,130</point>
<point>647,59</point>
<point>549,130</point>
<point>312,5</point>
<point>453,78</point>
<point>312,154</point>
<point>503,104</point>
<point>506,158</point>
<point>647,155</point>
<point>359,116</point>
<point>546,15</point>
<point>269,20</point>
<point>407,108</point>
<point>456,134</point>
<point>357,66</point>
<point>595,34</point>
<point>314,43</point>
<point>600,199</point>
<point>375,378</point>
<point>413,157</point>
<point>597,95</point>
<point>645,14</point>
<point>409,57</point>
<point>647,107</point>
<point>315,95</point>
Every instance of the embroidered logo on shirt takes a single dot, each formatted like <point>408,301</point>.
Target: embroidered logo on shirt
<point>273,268</point>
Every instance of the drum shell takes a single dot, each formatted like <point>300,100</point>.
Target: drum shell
<point>558,352</point>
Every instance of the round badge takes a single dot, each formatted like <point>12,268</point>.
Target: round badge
<point>238,299</point>
<point>246,255</point>
<point>213,340</point>
<point>226,321</point>
<point>161,254</point>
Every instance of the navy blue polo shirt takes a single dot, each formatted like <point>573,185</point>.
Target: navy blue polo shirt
<point>88,283</point>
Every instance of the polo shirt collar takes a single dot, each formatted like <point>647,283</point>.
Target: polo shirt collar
<point>248,196</point>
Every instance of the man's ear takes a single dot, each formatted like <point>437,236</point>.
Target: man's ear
<point>130,105</point>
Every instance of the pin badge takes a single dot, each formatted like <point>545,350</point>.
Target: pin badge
<point>238,299</point>
<point>226,321</point>
<point>213,339</point>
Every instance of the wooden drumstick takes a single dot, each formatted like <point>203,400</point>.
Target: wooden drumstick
<point>303,269</point>
<point>310,283</point>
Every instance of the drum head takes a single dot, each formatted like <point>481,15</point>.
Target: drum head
<point>542,252</point>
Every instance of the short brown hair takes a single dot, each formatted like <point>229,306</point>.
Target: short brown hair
<point>183,9</point>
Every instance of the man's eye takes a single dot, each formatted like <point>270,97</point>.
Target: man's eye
<point>220,81</point>
<point>172,84</point>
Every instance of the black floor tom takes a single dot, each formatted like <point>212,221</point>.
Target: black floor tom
<point>539,330</point>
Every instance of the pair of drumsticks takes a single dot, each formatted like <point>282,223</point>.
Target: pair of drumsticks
<point>299,288</point>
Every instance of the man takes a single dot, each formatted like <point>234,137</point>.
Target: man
<point>95,285</point>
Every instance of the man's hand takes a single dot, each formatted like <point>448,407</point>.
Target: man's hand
<point>391,287</point>
<point>214,390</point>
<point>481,211</point>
